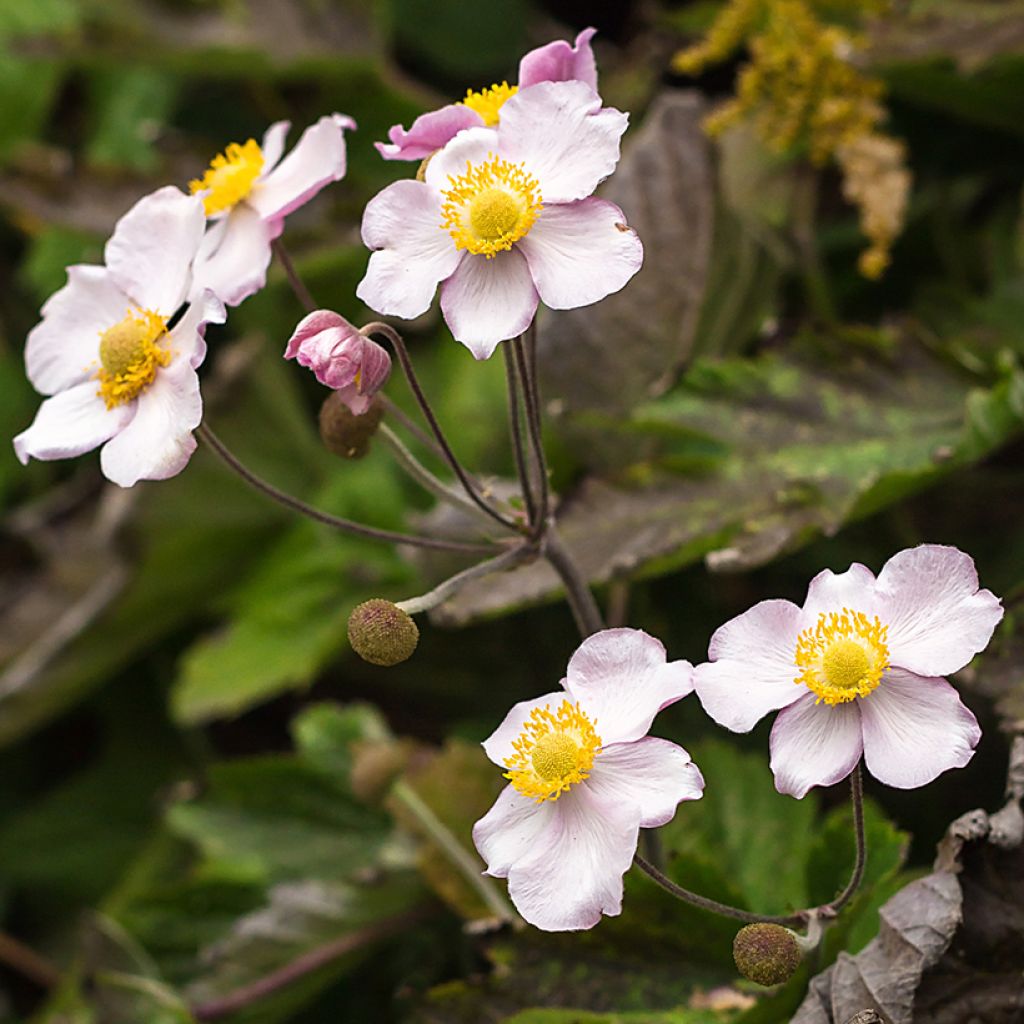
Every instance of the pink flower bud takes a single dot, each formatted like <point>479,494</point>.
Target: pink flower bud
<point>340,357</point>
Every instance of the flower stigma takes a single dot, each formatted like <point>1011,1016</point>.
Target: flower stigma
<point>130,355</point>
<point>843,656</point>
<point>487,102</point>
<point>491,206</point>
<point>554,751</point>
<point>230,176</point>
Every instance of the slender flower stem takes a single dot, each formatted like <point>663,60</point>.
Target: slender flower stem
<point>584,608</point>
<point>298,285</point>
<point>531,400</point>
<point>336,522</point>
<point>27,962</point>
<point>520,553</point>
<point>398,413</point>
<point>410,375</point>
<point>860,861</point>
<point>516,433</point>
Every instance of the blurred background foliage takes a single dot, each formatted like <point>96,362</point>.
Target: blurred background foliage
<point>203,786</point>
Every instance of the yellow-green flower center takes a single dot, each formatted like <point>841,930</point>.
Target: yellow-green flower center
<point>487,102</point>
<point>554,751</point>
<point>230,176</point>
<point>130,355</point>
<point>843,656</point>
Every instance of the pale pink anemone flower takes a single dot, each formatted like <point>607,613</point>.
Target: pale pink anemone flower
<point>504,217</point>
<point>119,376</point>
<point>248,191</point>
<point>555,62</point>
<point>857,671</point>
<point>585,778</point>
<point>341,357</point>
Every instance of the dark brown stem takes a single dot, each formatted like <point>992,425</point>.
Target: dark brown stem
<point>516,432</point>
<point>584,608</point>
<point>531,400</point>
<point>860,861</point>
<point>335,522</point>
<point>224,1006</point>
<point>298,285</point>
<point>27,962</point>
<point>398,344</point>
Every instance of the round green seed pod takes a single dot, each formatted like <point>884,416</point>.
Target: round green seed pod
<point>381,633</point>
<point>343,432</point>
<point>766,953</point>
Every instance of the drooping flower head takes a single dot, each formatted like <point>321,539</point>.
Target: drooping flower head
<point>341,357</point>
<point>248,190</point>
<point>119,375</point>
<point>584,778</point>
<point>504,217</point>
<point>857,671</point>
<point>555,62</point>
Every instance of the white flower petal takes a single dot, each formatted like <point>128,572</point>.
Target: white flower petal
<point>832,592</point>
<point>915,728</point>
<point>470,147</point>
<point>563,136</point>
<point>69,424</point>
<point>151,251</point>
<point>573,873</point>
<point>620,678</point>
<point>510,830</point>
<point>317,159</point>
<point>272,145</point>
<point>814,744</point>
<point>487,301</point>
<point>498,746</point>
<point>63,349</point>
<point>234,255</point>
<point>653,774</point>
<point>938,618</point>
<point>414,252</point>
<point>752,670</point>
<point>580,252</point>
<point>158,441</point>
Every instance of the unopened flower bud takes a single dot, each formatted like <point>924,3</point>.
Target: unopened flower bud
<point>381,633</point>
<point>766,953</point>
<point>342,359</point>
<point>345,433</point>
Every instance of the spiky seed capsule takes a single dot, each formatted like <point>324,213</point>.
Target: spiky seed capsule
<point>343,432</point>
<point>766,953</point>
<point>381,633</point>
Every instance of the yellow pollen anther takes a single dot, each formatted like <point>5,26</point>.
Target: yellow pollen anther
<point>843,656</point>
<point>130,355</point>
<point>554,751</point>
<point>230,176</point>
<point>487,102</point>
<point>491,206</point>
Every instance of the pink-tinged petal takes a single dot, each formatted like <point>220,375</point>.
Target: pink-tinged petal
<point>375,369</point>
<point>69,424</point>
<point>560,62</point>
<point>915,728</point>
<point>158,442</point>
<point>814,744</point>
<point>317,159</point>
<point>63,349</point>
<point>566,140</point>
<point>573,873</point>
<point>311,325</point>
<point>235,255</point>
<point>580,252</point>
<point>938,618</point>
<point>487,301</point>
<point>473,147</point>
<point>498,746</point>
<point>429,133</point>
<point>272,145</point>
<point>414,253</point>
<point>621,679</point>
<point>752,670</point>
<point>510,830</point>
<point>187,338</point>
<point>150,254</point>
<point>333,356</point>
<point>653,774</point>
<point>832,592</point>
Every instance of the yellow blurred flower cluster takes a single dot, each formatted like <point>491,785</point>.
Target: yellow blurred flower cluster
<point>802,92</point>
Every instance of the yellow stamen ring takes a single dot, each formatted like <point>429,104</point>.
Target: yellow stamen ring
<point>487,102</point>
<point>230,176</point>
<point>554,751</point>
<point>491,206</point>
<point>130,355</point>
<point>843,656</point>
